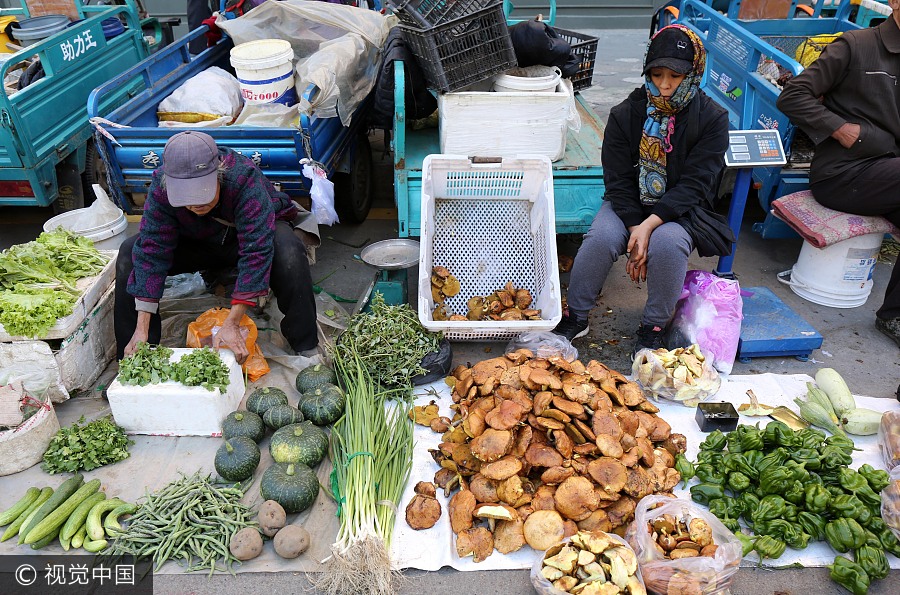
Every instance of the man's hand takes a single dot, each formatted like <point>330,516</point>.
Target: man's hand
<point>847,134</point>
<point>141,332</point>
<point>229,334</point>
<point>638,245</point>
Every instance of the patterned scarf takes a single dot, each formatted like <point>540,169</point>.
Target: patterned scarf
<point>660,124</point>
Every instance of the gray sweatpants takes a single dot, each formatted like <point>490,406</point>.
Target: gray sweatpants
<point>607,239</point>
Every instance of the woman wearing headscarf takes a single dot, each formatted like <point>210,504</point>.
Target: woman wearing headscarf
<point>663,154</point>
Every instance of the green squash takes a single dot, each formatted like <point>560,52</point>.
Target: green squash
<point>299,443</point>
<point>293,485</point>
<point>243,423</point>
<point>237,459</point>
<point>323,406</point>
<point>311,378</point>
<point>264,398</point>
<point>282,415</point>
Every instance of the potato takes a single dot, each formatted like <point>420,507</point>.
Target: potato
<point>271,517</point>
<point>246,544</point>
<point>291,541</point>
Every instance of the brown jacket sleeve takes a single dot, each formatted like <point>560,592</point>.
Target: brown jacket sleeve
<point>799,100</point>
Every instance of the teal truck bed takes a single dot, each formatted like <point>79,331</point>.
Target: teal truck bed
<point>577,177</point>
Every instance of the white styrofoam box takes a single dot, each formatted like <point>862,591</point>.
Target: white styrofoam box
<point>92,289</point>
<point>505,124</point>
<point>489,224</point>
<point>172,409</point>
<point>83,355</point>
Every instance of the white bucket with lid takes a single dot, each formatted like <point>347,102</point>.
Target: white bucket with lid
<point>840,275</point>
<point>265,70</point>
<point>106,235</point>
<point>534,79</point>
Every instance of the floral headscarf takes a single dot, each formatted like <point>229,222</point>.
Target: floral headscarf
<point>660,123</point>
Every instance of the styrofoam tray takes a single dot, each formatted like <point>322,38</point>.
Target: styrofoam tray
<point>172,409</point>
<point>92,289</point>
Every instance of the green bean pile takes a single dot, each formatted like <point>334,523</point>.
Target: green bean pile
<point>191,519</point>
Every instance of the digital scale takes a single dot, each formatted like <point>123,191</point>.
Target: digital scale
<point>770,327</point>
<point>391,259</point>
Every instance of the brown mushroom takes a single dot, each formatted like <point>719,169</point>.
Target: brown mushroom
<point>548,423</point>
<point>645,448</point>
<point>585,430</point>
<point>675,444</point>
<point>621,511</point>
<point>520,355</point>
<point>461,507</point>
<point>556,475</point>
<point>541,401</point>
<point>661,430</point>
<point>506,416</point>
<point>509,536</point>
<point>501,469</point>
<point>474,424</point>
<point>569,407</point>
<point>609,474</point>
<point>596,521</point>
<point>423,511</point>
<point>522,299</point>
<point>639,483</point>
<point>505,392</point>
<point>609,446</point>
<point>447,480</point>
<point>597,371</point>
<point>510,377</point>
<point>489,368</point>
<point>575,498</point>
<point>541,455</point>
<point>510,490</point>
<point>491,445</point>
<point>563,443</point>
<point>543,529</point>
<point>543,498</point>
<point>522,441</point>
<point>484,489</point>
<point>631,394</point>
<point>477,542</point>
<point>493,512</point>
<point>440,424</point>
<point>606,424</point>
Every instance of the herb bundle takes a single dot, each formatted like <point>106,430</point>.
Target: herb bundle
<point>202,367</point>
<point>87,447</point>
<point>145,366</point>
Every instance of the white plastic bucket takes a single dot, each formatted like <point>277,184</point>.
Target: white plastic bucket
<point>840,275</point>
<point>534,79</point>
<point>265,71</point>
<point>106,236</point>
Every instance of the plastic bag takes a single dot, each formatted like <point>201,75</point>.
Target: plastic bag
<point>208,95</point>
<point>184,285</point>
<point>889,439</point>
<point>658,381</point>
<point>322,194</point>
<point>269,115</point>
<point>543,344</point>
<point>710,575</point>
<point>543,587</point>
<point>437,363</point>
<point>890,503</point>
<point>199,333</point>
<point>101,212</point>
<point>709,313</point>
<point>34,377</point>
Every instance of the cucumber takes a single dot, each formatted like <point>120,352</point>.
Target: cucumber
<point>13,529</point>
<point>111,524</point>
<point>64,543</point>
<point>94,546</point>
<point>46,540</point>
<point>93,523</point>
<point>77,518</point>
<point>78,538</point>
<point>56,518</point>
<point>12,513</point>
<point>68,487</point>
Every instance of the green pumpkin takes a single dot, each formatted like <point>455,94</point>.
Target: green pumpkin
<point>282,415</point>
<point>237,459</point>
<point>243,423</point>
<point>299,443</point>
<point>262,399</point>
<point>293,485</point>
<point>311,378</point>
<point>323,406</point>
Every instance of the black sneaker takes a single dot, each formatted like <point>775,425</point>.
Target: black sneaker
<point>890,327</point>
<point>571,327</point>
<point>649,337</point>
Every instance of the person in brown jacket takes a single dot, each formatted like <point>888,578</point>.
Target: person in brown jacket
<point>848,102</point>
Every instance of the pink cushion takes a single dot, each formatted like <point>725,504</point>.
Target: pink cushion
<point>821,226</point>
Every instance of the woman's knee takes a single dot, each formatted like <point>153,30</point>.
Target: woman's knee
<point>669,238</point>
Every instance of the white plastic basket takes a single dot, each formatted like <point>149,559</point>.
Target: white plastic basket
<point>489,224</point>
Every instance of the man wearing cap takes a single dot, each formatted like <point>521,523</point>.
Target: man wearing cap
<point>211,208</point>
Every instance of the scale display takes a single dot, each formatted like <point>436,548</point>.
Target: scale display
<point>751,148</point>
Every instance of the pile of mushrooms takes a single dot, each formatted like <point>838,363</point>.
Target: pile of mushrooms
<point>592,563</point>
<point>542,448</point>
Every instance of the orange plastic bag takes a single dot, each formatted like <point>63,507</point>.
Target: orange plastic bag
<point>199,334</point>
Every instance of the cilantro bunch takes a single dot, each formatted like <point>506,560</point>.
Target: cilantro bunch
<point>146,366</point>
<point>87,447</point>
<point>202,367</point>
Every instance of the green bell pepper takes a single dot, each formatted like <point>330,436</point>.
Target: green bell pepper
<point>704,492</point>
<point>779,434</point>
<point>795,493</point>
<point>775,458</point>
<point>876,524</point>
<point>844,535</point>
<point>770,507</point>
<point>742,462</point>
<point>842,442</point>
<point>889,541</point>
<point>873,561</point>
<point>750,500</point>
<point>713,457</point>
<point>784,531</point>
<point>798,470</point>
<point>810,438</point>
<point>738,482</point>
<point>850,575</point>
<point>745,438</point>
<point>768,547</point>
<point>814,478</point>
<point>834,457</point>
<point>816,498</point>
<point>878,478</point>
<point>847,506</point>
<point>747,542</point>
<point>731,524</point>
<point>812,524</point>
<point>850,480</point>
<point>706,473</point>
<point>872,539</point>
<point>835,491</point>
<point>774,480</point>
<point>809,457</point>
<point>685,468</point>
<point>790,512</point>
<point>716,441</point>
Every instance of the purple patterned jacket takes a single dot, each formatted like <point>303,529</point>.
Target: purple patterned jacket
<point>247,199</point>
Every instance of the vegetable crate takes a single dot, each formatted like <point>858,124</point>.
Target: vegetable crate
<point>585,49</point>
<point>463,51</point>
<point>429,13</point>
<point>173,409</point>
<point>489,224</point>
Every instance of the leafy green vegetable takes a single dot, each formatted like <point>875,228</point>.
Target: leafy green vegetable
<point>31,313</point>
<point>202,367</point>
<point>146,366</point>
<point>87,447</point>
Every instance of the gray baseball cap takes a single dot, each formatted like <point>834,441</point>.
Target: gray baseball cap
<point>190,162</point>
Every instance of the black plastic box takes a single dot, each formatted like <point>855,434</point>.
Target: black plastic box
<point>716,416</point>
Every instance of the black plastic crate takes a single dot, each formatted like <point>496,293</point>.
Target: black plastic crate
<point>585,49</point>
<point>463,51</point>
<point>430,13</point>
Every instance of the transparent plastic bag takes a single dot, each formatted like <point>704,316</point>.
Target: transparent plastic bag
<point>544,587</point>
<point>543,344</point>
<point>890,503</point>
<point>35,377</point>
<point>889,439</point>
<point>322,194</point>
<point>657,381</point>
<point>184,285</point>
<point>700,574</point>
<point>101,212</point>
<point>709,313</point>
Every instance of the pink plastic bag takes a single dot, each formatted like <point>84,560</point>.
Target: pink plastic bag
<point>709,313</point>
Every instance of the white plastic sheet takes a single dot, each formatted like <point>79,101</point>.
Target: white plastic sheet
<point>212,91</point>
<point>346,72</point>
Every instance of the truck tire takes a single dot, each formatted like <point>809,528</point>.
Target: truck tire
<point>94,172</point>
<point>353,191</point>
